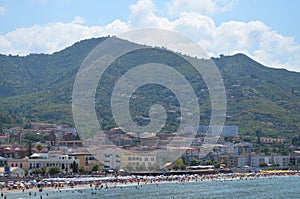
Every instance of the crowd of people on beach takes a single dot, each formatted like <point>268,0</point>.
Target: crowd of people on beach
<point>111,182</point>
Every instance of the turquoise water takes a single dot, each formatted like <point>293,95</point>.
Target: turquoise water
<point>280,187</point>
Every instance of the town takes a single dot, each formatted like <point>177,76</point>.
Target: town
<point>44,149</point>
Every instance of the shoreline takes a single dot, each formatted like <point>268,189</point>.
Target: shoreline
<point>141,181</point>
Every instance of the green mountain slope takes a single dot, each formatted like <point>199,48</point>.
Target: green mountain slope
<point>39,87</point>
<point>261,98</point>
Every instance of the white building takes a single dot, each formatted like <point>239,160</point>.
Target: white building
<point>244,161</point>
<point>281,161</point>
<point>36,160</point>
<point>257,160</point>
<point>112,159</point>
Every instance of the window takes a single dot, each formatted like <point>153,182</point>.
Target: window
<point>12,165</point>
<point>21,165</point>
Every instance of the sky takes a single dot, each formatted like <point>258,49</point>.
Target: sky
<point>265,30</point>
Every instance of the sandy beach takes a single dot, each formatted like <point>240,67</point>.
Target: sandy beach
<point>55,185</point>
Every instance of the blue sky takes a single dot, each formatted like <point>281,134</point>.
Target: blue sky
<point>265,30</point>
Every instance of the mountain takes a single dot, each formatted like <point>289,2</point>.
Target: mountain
<point>260,99</point>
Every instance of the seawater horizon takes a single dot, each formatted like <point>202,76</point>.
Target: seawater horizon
<point>268,187</point>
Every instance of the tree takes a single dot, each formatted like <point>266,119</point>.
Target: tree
<point>39,147</point>
<point>49,147</point>
<point>83,170</point>
<point>228,139</point>
<point>95,168</point>
<point>53,170</point>
<point>178,164</point>
<point>140,167</point>
<point>29,148</point>
<point>246,139</point>
<point>36,171</point>
<point>195,162</point>
<point>208,162</point>
<point>258,132</point>
<point>153,167</point>
<point>43,171</point>
<point>129,167</point>
<point>262,164</point>
<point>74,167</point>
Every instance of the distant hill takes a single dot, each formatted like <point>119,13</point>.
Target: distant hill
<point>39,88</point>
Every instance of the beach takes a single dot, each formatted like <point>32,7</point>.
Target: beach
<point>136,186</point>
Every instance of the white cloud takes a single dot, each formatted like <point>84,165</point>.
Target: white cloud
<point>203,7</point>
<point>257,41</point>
<point>78,20</point>
<point>194,25</point>
<point>53,37</point>
<point>143,15</point>
<point>253,38</point>
<point>116,27</point>
<point>2,10</point>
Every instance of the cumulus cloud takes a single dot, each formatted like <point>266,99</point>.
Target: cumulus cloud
<point>203,7</point>
<point>253,38</point>
<point>52,37</point>
<point>143,15</point>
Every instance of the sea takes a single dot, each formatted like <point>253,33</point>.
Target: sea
<point>275,187</point>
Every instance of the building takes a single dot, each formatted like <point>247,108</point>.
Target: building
<point>258,160</point>
<point>295,159</point>
<point>242,148</point>
<point>70,143</point>
<point>86,160</point>
<point>281,161</point>
<point>3,161</point>
<point>9,151</point>
<point>36,160</point>
<point>231,161</point>
<point>272,140</point>
<point>4,139</point>
<point>215,130</point>
<point>244,161</point>
<point>41,126</point>
<point>139,161</point>
<point>112,159</point>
